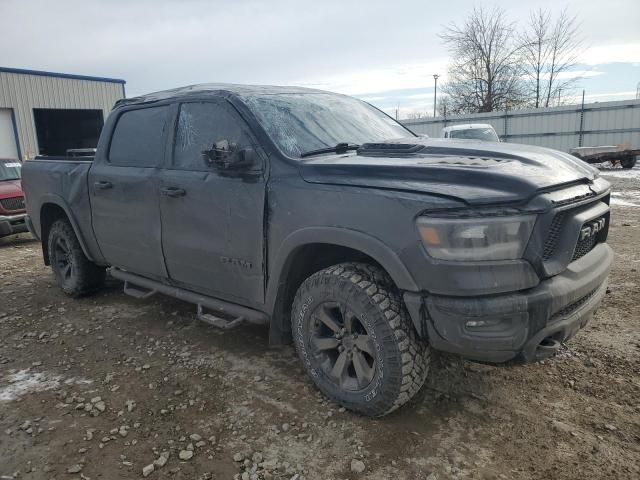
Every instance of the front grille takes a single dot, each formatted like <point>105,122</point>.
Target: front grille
<point>595,236</point>
<point>584,246</point>
<point>13,203</point>
<point>555,231</point>
<point>572,307</point>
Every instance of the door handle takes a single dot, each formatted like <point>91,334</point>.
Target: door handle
<point>173,191</point>
<point>103,185</point>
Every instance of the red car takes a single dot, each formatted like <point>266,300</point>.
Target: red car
<point>12,206</point>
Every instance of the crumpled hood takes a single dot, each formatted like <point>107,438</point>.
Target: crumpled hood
<point>10,188</point>
<point>471,171</point>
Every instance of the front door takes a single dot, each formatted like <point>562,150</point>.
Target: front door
<point>123,185</point>
<point>212,221</point>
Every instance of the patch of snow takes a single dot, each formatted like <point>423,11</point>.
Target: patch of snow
<point>26,381</point>
<point>621,173</point>
<point>626,199</point>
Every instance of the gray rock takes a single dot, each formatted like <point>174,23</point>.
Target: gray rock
<point>77,468</point>
<point>357,466</point>
<point>238,457</point>
<point>161,461</point>
<point>148,470</point>
<point>130,404</point>
<point>185,454</point>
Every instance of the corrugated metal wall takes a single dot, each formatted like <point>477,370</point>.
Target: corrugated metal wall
<point>605,123</point>
<point>24,92</point>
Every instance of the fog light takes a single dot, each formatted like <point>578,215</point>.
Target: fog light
<point>481,323</point>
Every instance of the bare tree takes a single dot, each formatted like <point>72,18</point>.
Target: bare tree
<point>415,115</point>
<point>444,106</point>
<point>485,73</point>
<point>550,51</point>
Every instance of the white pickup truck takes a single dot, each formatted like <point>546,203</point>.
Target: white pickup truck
<point>471,131</point>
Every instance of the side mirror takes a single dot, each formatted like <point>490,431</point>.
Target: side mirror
<point>228,156</point>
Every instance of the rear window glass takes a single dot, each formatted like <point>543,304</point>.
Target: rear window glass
<point>138,137</point>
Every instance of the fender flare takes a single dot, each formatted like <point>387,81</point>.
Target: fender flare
<point>344,237</point>
<point>57,200</point>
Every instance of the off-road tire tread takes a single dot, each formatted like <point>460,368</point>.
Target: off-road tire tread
<point>90,277</point>
<point>378,286</point>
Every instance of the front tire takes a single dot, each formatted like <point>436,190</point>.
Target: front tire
<point>75,274</point>
<point>356,341</point>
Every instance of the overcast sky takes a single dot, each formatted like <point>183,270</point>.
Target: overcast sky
<point>383,51</point>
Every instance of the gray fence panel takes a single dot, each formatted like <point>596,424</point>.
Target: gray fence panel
<point>603,123</point>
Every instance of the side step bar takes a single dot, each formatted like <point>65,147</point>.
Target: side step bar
<point>140,287</point>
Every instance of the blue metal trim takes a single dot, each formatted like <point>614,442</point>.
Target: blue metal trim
<point>15,133</point>
<point>61,75</point>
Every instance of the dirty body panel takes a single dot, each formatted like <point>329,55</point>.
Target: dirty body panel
<point>237,234</point>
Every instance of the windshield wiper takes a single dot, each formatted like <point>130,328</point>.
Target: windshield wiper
<point>339,148</point>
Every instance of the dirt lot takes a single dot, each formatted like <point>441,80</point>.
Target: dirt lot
<point>169,385</point>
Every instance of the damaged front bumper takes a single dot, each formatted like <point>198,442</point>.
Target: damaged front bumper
<point>527,325</point>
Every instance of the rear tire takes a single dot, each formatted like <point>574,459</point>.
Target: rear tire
<point>356,341</point>
<point>628,162</point>
<point>75,274</point>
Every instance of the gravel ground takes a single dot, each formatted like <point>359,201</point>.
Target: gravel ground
<point>112,387</point>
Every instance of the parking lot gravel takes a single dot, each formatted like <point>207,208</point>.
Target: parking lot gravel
<point>111,387</point>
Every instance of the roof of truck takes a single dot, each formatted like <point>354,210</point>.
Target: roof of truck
<point>216,88</point>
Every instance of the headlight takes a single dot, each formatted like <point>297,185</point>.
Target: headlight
<point>494,238</point>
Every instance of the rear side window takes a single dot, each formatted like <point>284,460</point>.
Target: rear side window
<point>137,140</point>
<point>200,126</point>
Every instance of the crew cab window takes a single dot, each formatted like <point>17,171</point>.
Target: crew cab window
<point>138,139</point>
<point>200,126</point>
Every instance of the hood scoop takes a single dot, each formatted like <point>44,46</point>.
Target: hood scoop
<point>371,149</point>
<point>432,154</point>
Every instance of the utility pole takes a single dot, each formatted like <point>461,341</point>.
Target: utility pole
<point>435,92</point>
<point>581,120</point>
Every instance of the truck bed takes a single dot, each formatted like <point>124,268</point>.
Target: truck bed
<point>64,180</point>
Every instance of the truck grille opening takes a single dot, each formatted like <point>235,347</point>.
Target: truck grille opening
<point>583,247</point>
<point>555,230</point>
<point>13,203</point>
<point>586,244</point>
<point>572,307</point>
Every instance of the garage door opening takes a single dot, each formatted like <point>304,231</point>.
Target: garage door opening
<point>60,129</point>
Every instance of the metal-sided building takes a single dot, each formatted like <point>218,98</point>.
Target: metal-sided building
<point>45,113</point>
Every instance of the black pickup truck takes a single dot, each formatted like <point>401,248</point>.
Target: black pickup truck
<point>363,244</point>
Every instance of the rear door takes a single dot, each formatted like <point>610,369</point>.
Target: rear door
<point>123,186</point>
<point>212,221</point>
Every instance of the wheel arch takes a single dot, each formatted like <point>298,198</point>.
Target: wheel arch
<point>311,249</point>
<point>52,208</point>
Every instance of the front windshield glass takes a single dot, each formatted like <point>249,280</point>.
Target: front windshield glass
<point>9,170</point>
<point>302,122</point>
<point>484,134</point>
